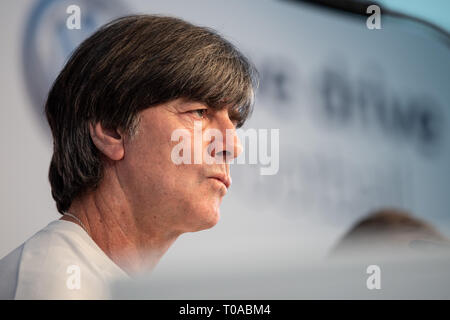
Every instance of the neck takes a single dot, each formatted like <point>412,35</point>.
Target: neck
<point>120,231</point>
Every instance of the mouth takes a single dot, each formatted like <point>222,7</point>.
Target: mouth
<point>225,179</point>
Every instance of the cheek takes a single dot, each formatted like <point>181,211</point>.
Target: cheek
<point>158,182</point>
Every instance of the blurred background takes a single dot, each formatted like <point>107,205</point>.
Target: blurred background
<point>363,114</point>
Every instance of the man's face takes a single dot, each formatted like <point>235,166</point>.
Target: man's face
<point>176,197</point>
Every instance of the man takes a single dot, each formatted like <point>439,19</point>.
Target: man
<point>124,200</point>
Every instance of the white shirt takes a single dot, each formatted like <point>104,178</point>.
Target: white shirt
<point>60,261</point>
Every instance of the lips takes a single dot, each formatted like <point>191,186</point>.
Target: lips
<point>225,179</point>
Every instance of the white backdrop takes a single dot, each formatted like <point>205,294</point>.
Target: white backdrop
<point>363,118</point>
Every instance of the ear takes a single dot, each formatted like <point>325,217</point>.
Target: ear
<point>109,142</point>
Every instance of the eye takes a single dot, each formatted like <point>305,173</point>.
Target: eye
<point>201,113</point>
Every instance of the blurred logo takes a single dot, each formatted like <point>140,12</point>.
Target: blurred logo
<point>48,42</point>
<point>367,102</point>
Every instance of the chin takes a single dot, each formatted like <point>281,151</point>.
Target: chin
<point>214,219</point>
<point>207,220</point>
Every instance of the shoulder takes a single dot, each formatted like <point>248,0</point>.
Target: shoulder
<point>59,262</point>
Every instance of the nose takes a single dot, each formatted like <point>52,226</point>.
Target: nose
<point>230,147</point>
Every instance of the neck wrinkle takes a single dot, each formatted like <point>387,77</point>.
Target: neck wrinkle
<point>113,226</point>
